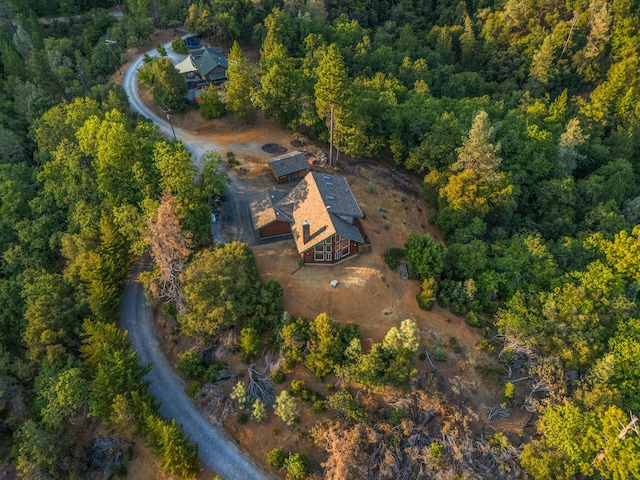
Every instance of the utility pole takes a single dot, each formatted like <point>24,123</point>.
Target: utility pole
<point>168,112</point>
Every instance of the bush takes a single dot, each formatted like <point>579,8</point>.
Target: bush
<point>427,296</point>
<point>249,344</point>
<point>277,376</point>
<point>211,374</point>
<point>439,355</point>
<point>190,364</point>
<point>346,404</point>
<point>508,393</point>
<point>318,406</point>
<point>393,256</point>
<point>194,390</point>
<point>436,451</point>
<point>232,160</point>
<point>179,46</point>
<point>276,458</point>
<point>210,104</point>
<point>475,320</point>
<point>397,414</point>
<point>297,466</point>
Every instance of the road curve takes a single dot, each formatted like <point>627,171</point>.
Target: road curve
<point>216,449</point>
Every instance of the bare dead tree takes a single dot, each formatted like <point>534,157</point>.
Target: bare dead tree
<point>498,411</point>
<point>170,248</point>
<point>261,386</point>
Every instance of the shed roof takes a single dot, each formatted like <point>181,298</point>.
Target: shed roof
<point>288,163</point>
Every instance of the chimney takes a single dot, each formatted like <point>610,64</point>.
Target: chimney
<point>305,231</point>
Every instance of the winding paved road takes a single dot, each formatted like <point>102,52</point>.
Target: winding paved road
<point>216,449</point>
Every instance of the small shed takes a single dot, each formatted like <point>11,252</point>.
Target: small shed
<point>288,167</point>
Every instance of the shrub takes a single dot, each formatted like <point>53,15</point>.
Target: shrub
<point>232,160</point>
<point>276,458</point>
<point>194,390</point>
<point>508,393</point>
<point>190,364</point>
<point>427,296</point>
<point>371,188</point>
<point>346,404</point>
<point>318,406</point>
<point>297,466</point>
<point>249,344</point>
<point>393,256</point>
<point>179,46</point>
<point>277,376</point>
<point>439,355</point>
<point>475,320</point>
<point>397,414</point>
<point>211,374</point>
<point>436,451</point>
<point>258,411</point>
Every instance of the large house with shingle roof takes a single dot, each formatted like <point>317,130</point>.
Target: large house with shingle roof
<point>320,212</point>
<point>288,167</point>
<point>208,62</point>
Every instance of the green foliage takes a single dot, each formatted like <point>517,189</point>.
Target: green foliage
<point>210,104</point>
<point>213,181</point>
<point>439,355</point>
<point>286,408</point>
<point>178,456</point>
<point>240,397</point>
<point>179,46</point>
<point>259,411</point>
<point>425,256</point>
<point>508,393</point>
<point>167,85</point>
<point>297,465</point>
<point>276,458</point>
<point>277,376</point>
<point>347,405</point>
<point>393,256</point>
<point>325,346</point>
<point>427,296</point>
<point>240,84</point>
<point>190,364</point>
<point>250,344</point>
<point>220,286</point>
<point>161,50</point>
<point>294,335</point>
<point>436,451</point>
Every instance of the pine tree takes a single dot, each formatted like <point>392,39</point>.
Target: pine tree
<point>331,90</point>
<point>240,85</point>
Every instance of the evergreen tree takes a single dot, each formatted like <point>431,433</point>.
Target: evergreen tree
<point>240,85</point>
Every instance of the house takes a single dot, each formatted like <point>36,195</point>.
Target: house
<point>320,212</point>
<point>288,167</point>
<point>207,62</point>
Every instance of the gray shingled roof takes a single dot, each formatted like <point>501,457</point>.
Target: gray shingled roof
<point>207,59</point>
<point>337,195</point>
<point>288,163</point>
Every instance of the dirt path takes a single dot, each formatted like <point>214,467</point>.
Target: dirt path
<point>216,450</point>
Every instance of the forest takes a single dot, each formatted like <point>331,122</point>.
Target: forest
<point>522,119</point>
